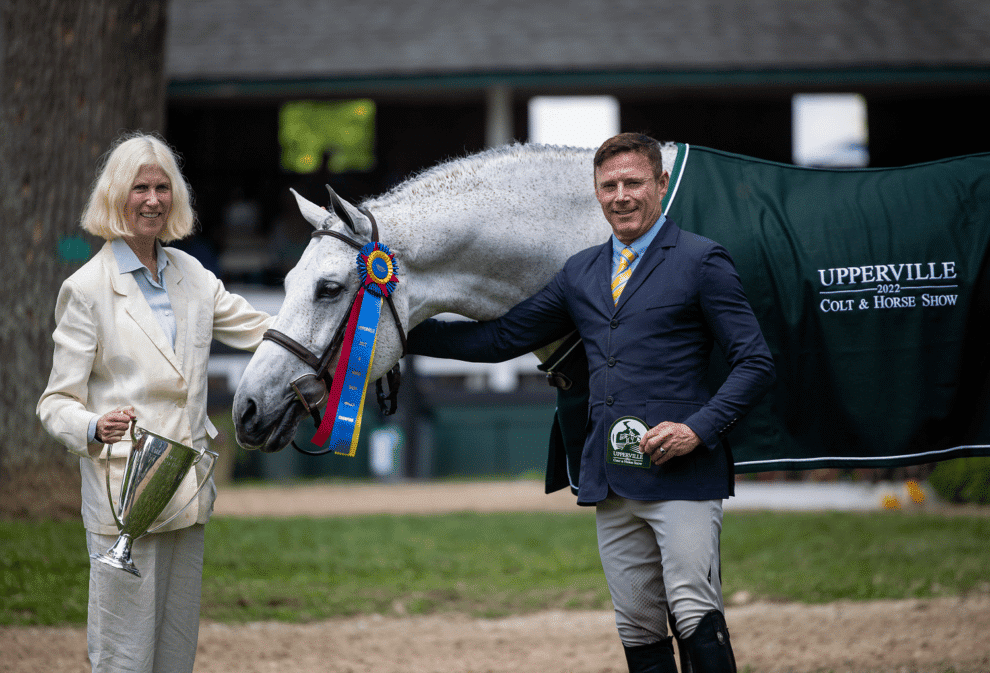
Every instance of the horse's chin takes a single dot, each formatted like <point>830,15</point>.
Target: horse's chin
<point>282,432</point>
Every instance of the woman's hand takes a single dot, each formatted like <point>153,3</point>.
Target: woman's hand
<point>112,425</point>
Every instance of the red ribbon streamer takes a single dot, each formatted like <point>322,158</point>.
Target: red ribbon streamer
<point>333,400</point>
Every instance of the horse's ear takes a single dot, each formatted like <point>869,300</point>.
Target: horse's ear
<point>313,213</point>
<point>338,208</point>
<point>356,221</point>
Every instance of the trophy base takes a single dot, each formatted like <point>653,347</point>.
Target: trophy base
<point>119,556</point>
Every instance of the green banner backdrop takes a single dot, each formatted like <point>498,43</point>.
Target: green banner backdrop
<point>873,290</point>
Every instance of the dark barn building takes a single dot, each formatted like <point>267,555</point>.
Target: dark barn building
<point>449,77</point>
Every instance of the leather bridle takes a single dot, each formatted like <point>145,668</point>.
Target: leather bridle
<point>312,390</point>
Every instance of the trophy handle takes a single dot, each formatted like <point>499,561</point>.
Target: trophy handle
<point>113,508</point>
<point>214,456</point>
<point>134,440</point>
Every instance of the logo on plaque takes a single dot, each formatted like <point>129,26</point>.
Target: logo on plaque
<point>623,442</point>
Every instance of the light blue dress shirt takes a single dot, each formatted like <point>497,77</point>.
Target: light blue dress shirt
<point>155,293</point>
<point>639,246</point>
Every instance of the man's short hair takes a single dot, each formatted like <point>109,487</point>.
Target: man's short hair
<point>631,142</point>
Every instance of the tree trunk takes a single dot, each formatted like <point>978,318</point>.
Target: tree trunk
<point>74,74</point>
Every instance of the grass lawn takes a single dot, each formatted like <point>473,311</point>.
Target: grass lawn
<point>494,564</point>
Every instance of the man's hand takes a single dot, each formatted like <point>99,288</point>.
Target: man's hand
<point>112,425</point>
<point>664,441</point>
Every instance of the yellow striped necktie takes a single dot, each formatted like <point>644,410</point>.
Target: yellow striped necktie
<point>622,273</point>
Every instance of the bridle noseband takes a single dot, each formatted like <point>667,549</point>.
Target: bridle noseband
<point>312,390</point>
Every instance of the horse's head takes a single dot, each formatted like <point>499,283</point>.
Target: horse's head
<point>286,372</point>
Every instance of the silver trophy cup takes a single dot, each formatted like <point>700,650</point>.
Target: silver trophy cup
<point>155,468</point>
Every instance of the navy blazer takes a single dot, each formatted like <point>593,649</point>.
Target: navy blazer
<point>647,357</point>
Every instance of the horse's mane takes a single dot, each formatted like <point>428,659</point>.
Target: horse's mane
<point>478,167</point>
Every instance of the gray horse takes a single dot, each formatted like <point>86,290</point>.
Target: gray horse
<point>473,236</point>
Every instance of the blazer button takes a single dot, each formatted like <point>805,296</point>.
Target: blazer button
<point>611,362</point>
<point>614,324</point>
<point>609,400</point>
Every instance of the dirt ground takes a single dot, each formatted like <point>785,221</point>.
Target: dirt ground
<point>910,636</point>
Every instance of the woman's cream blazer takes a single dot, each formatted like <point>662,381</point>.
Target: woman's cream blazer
<point>110,352</point>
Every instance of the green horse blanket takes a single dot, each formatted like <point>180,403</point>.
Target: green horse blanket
<point>872,287</point>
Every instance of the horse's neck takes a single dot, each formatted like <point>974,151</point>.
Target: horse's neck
<point>478,250</point>
<point>470,272</point>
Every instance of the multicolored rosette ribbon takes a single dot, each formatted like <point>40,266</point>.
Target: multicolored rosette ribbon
<point>377,270</point>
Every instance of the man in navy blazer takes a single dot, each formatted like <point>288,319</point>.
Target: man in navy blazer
<point>654,461</point>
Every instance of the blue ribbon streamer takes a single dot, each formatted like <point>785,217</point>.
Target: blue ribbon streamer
<point>347,424</point>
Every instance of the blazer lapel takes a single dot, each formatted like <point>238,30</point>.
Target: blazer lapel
<point>182,308</point>
<point>652,258</point>
<point>136,306</point>
<point>602,269</point>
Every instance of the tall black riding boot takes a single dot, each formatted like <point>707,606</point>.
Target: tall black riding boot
<point>682,656</point>
<point>656,657</point>
<point>709,647</point>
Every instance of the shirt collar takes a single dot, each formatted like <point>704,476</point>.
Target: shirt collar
<point>640,245</point>
<point>127,261</point>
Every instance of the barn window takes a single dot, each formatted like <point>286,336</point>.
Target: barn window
<point>578,121</point>
<point>830,130</point>
<point>342,133</point>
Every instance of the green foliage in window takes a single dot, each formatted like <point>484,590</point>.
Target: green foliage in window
<point>344,129</point>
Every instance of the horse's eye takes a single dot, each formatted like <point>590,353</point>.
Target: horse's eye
<point>328,290</point>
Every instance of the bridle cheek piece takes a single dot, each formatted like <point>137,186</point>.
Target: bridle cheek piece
<point>312,390</point>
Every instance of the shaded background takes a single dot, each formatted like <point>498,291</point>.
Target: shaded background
<point>443,78</point>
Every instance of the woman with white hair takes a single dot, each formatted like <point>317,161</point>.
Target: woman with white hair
<point>132,340</point>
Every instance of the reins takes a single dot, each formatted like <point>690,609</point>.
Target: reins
<point>311,390</point>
